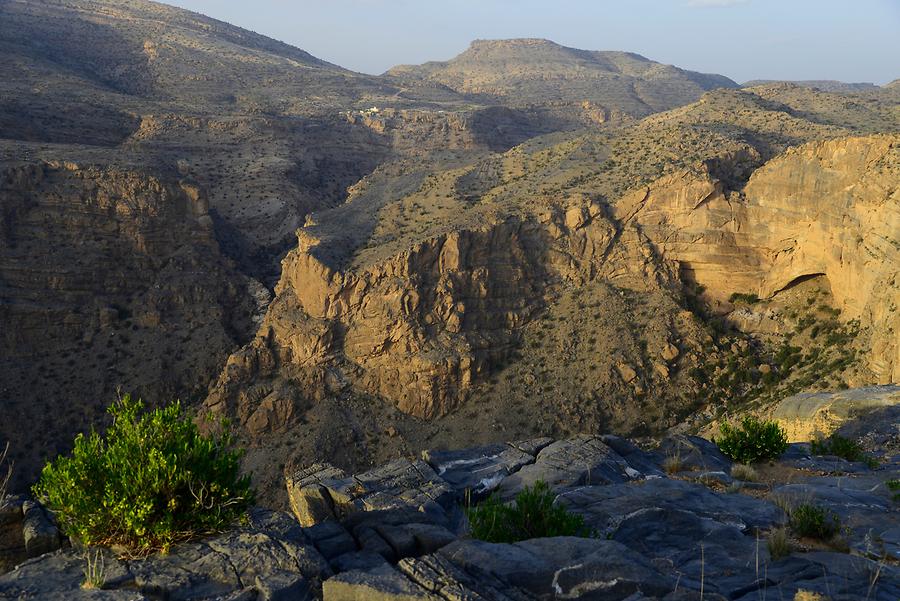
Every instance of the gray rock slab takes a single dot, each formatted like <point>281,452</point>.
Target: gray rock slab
<point>604,507</point>
<point>438,575</point>
<point>648,463</point>
<point>562,567</point>
<point>59,575</point>
<point>331,539</point>
<point>357,560</point>
<point>383,583</point>
<point>479,470</point>
<point>255,554</point>
<point>565,463</point>
<point>399,484</point>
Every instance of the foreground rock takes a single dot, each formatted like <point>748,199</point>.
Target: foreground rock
<point>399,533</point>
<point>269,559</point>
<point>807,415</point>
<point>26,530</point>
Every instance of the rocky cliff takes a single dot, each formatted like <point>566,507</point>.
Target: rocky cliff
<point>419,327</point>
<point>826,208</point>
<point>108,278</point>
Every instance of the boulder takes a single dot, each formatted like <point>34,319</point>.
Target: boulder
<point>39,533</point>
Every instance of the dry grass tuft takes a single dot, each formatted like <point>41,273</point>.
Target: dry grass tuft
<point>740,471</point>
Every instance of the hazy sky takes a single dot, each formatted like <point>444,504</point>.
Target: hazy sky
<point>849,40</point>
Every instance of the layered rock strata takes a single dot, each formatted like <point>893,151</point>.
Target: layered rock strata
<point>826,208</point>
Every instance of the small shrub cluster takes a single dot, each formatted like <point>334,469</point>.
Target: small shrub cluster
<point>839,446</point>
<point>813,521</point>
<point>894,487</point>
<point>743,297</point>
<point>752,441</point>
<point>533,515</point>
<point>151,481</point>
<point>673,464</point>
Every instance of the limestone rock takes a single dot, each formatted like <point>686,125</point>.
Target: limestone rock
<point>806,416</point>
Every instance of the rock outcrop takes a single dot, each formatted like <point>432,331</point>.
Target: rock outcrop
<point>420,327</point>
<point>399,532</point>
<point>808,415</point>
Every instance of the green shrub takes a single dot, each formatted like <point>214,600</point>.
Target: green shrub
<point>813,521</point>
<point>151,481</point>
<point>533,515</point>
<point>840,446</point>
<point>752,441</point>
<point>894,487</point>
<point>743,297</point>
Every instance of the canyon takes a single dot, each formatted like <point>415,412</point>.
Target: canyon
<point>527,240</point>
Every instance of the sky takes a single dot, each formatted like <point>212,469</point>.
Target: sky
<point>847,40</point>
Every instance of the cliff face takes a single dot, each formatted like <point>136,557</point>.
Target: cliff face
<point>108,277</point>
<point>422,326</point>
<point>425,326</point>
<point>825,208</point>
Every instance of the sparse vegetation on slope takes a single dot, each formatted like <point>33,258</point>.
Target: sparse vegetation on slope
<point>813,521</point>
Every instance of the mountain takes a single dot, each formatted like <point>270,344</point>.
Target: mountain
<point>826,85</point>
<point>527,72</point>
<point>154,165</point>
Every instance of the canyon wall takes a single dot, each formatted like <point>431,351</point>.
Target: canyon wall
<point>108,277</point>
<point>422,326</point>
<point>827,208</point>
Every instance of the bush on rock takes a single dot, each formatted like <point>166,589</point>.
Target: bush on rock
<point>533,515</point>
<point>752,441</point>
<point>154,479</point>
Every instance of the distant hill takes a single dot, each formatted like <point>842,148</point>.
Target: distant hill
<point>826,85</point>
<point>535,71</point>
